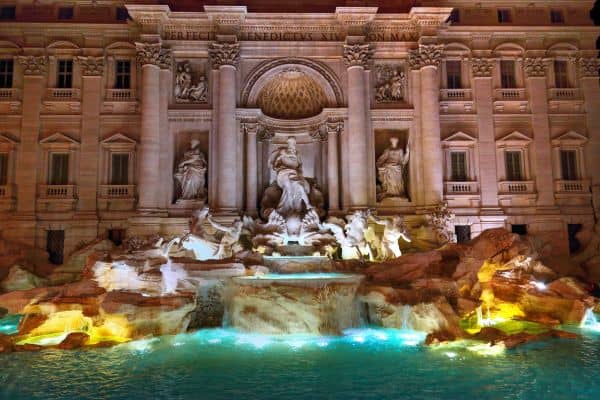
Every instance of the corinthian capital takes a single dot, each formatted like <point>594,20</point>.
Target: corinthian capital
<point>91,66</point>
<point>224,54</point>
<point>535,67</point>
<point>153,54</point>
<point>425,55</point>
<point>588,67</point>
<point>33,65</point>
<point>482,67</point>
<point>335,125</point>
<point>357,55</point>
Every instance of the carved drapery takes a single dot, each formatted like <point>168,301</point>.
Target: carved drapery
<point>535,67</point>
<point>425,55</point>
<point>482,67</point>
<point>588,67</point>
<point>33,65</point>
<point>224,54</point>
<point>357,55</point>
<point>91,66</point>
<point>153,54</point>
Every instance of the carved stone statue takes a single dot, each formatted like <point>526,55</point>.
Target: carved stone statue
<point>185,88</point>
<point>440,218</point>
<point>191,174</point>
<point>394,230</point>
<point>350,236</point>
<point>390,84</point>
<point>392,171</point>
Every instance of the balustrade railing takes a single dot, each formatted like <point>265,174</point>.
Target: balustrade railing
<point>461,187</point>
<point>120,94</point>
<point>516,187</point>
<point>580,186</point>
<point>455,94</point>
<point>65,94</point>
<point>57,191</point>
<point>509,94</point>
<point>117,191</point>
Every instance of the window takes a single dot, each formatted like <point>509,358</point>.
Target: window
<point>65,74</point>
<point>568,165</point>
<point>122,14</point>
<point>6,73</point>
<point>3,169</point>
<point>453,74</point>
<point>454,16</point>
<point>519,229</point>
<point>572,230</point>
<point>557,17</point>
<point>55,244</point>
<point>59,169</point>
<point>561,76</point>
<point>65,13</point>
<point>514,171</point>
<point>459,166</point>
<point>8,12</point>
<point>119,169</point>
<point>463,233</point>
<point>116,236</point>
<point>123,74</point>
<point>504,16</point>
<point>507,74</point>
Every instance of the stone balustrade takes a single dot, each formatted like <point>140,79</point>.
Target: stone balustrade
<point>120,94</point>
<point>509,94</point>
<point>57,191</point>
<point>10,94</point>
<point>516,187</point>
<point>455,94</point>
<point>579,186</point>
<point>117,191</point>
<point>63,94</point>
<point>564,94</point>
<point>451,187</point>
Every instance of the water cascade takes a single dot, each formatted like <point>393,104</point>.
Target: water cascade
<point>590,321</point>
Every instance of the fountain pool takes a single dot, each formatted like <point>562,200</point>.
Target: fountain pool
<point>360,364</point>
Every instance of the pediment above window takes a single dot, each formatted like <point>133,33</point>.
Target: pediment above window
<point>59,141</point>
<point>515,138</point>
<point>7,142</point>
<point>118,141</point>
<point>459,139</point>
<point>570,138</point>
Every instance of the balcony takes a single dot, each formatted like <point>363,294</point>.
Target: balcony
<point>565,94</point>
<point>120,95</point>
<point>509,94</point>
<point>56,198</point>
<point>117,191</point>
<point>10,94</point>
<point>461,187</point>
<point>455,94</point>
<point>577,187</point>
<point>57,191</point>
<point>63,94</point>
<point>516,187</point>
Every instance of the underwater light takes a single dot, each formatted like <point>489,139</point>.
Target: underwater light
<point>539,285</point>
<point>451,354</point>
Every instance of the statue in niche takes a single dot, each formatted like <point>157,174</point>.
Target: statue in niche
<point>185,89</point>
<point>191,173</point>
<point>394,230</point>
<point>392,171</point>
<point>390,84</point>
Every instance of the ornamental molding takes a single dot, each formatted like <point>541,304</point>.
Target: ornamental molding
<point>153,54</point>
<point>319,133</point>
<point>425,56</point>
<point>535,67</point>
<point>390,83</point>
<point>357,55</point>
<point>224,54</point>
<point>33,65</point>
<point>482,67</point>
<point>335,125</point>
<point>91,66</point>
<point>264,133</point>
<point>588,67</point>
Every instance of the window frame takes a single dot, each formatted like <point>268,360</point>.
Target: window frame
<point>460,82</point>
<point>461,142</point>
<point>52,179</point>
<point>515,141</point>
<point>111,172</point>
<point>66,75</point>
<point>504,15</point>
<point>557,12</point>
<point>570,141</point>
<point>117,144</point>
<point>514,84</point>
<point>515,175</point>
<point>7,78</point>
<point>565,80</point>
<point>121,75</point>
<point>58,143</point>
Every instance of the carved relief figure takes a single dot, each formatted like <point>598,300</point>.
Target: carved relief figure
<point>390,84</point>
<point>394,230</point>
<point>191,173</point>
<point>392,170</point>
<point>185,89</point>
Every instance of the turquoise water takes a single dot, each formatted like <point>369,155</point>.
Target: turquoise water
<point>363,364</point>
<point>300,275</point>
<point>9,325</point>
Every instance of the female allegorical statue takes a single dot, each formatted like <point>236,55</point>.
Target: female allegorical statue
<point>391,166</point>
<point>191,173</point>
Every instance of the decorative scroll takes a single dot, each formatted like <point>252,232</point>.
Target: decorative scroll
<point>33,65</point>
<point>425,55</point>
<point>588,67</point>
<point>154,54</point>
<point>535,67</point>
<point>91,66</point>
<point>357,55</point>
<point>482,67</point>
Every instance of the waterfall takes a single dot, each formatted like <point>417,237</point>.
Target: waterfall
<point>481,321</point>
<point>406,324</point>
<point>589,320</point>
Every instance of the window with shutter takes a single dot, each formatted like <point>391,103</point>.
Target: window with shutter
<point>119,174</point>
<point>65,74</point>
<point>459,166</point>
<point>453,74</point>
<point>568,165</point>
<point>3,169</point>
<point>513,166</point>
<point>561,76</point>
<point>59,169</point>
<point>507,74</point>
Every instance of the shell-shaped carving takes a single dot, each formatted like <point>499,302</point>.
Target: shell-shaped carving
<point>292,94</point>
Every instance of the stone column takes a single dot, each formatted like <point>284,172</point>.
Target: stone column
<point>334,129</point>
<point>535,71</point>
<point>33,69</point>
<point>92,69</point>
<point>483,96</point>
<point>426,59</point>
<point>151,56</point>
<point>250,130</point>
<point>588,71</point>
<point>224,58</point>
<point>357,57</point>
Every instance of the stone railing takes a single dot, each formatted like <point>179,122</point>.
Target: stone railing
<point>120,94</point>
<point>57,191</point>
<point>455,94</point>
<point>581,186</point>
<point>461,187</point>
<point>10,94</point>
<point>516,187</point>
<point>564,94</point>
<point>116,191</point>
<point>509,94</point>
<point>61,94</point>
